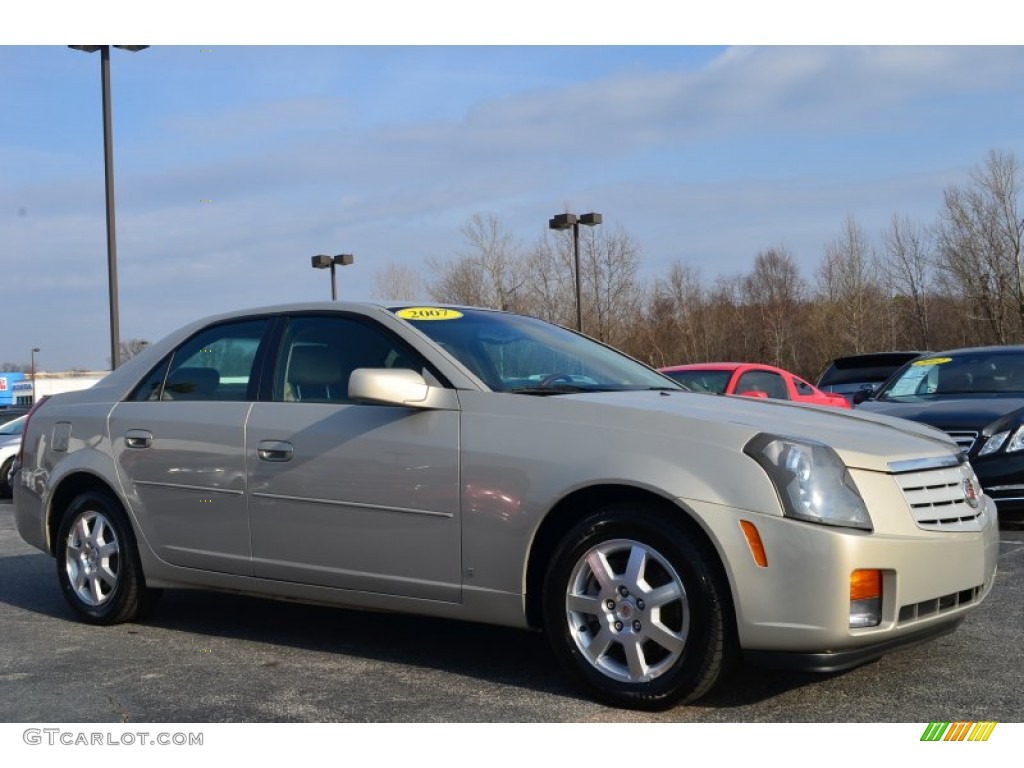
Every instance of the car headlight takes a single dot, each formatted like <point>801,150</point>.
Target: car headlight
<point>812,481</point>
<point>994,443</point>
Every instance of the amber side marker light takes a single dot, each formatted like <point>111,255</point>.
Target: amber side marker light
<point>865,598</point>
<point>754,542</point>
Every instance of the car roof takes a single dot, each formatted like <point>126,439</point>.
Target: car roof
<point>873,359</point>
<point>989,350</point>
<point>720,367</point>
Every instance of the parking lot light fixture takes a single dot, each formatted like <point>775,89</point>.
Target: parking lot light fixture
<point>563,221</point>
<point>33,369</point>
<point>323,262</point>
<point>108,156</point>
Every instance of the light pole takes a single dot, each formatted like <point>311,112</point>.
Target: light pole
<point>34,350</point>
<point>108,158</point>
<point>323,262</point>
<point>564,221</point>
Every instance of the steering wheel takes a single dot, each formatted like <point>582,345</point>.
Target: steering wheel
<point>554,378</point>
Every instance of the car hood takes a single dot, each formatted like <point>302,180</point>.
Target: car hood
<point>950,414</point>
<point>863,440</point>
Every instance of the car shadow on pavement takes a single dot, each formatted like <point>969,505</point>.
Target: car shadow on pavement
<point>498,655</point>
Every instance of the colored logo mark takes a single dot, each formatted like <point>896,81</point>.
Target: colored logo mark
<point>958,731</point>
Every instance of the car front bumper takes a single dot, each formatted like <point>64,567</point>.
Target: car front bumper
<point>797,611</point>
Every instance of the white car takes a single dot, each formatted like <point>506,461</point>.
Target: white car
<point>10,444</point>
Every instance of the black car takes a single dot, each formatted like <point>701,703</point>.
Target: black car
<point>976,396</point>
<point>855,377</point>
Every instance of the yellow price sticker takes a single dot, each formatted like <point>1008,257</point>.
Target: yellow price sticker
<point>933,361</point>
<point>428,313</point>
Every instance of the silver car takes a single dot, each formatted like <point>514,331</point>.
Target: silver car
<point>481,465</point>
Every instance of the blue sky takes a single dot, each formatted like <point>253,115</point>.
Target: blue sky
<point>704,154</point>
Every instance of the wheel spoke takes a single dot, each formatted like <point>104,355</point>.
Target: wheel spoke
<point>635,659</point>
<point>664,594</point>
<point>81,531</point>
<point>78,577</point>
<point>95,588</point>
<point>667,639</point>
<point>585,604</point>
<point>107,549</point>
<point>598,646</point>
<point>106,575</point>
<point>600,568</point>
<point>99,531</point>
<point>635,567</point>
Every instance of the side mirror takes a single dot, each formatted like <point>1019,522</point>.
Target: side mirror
<point>862,394</point>
<point>397,386</point>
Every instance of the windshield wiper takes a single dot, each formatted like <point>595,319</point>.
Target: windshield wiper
<point>554,389</point>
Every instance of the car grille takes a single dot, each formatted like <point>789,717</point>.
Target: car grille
<point>937,499</point>
<point>926,608</point>
<point>964,439</point>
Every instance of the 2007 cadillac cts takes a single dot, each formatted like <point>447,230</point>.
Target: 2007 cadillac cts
<point>486,466</point>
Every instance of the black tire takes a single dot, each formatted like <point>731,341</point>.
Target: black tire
<point>98,562</point>
<point>6,490</point>
<point>668,638</point>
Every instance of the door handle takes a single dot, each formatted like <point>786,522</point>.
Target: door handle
<point>138,438</point>
<point>274,450</point>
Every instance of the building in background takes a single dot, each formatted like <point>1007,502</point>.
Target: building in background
<point>16,389</point>
<point>8,380</point>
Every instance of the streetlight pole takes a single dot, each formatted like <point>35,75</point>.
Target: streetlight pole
<point>563,221</point>
<point>34,350</point>
<point>108,172</point>
<point>323,262</point>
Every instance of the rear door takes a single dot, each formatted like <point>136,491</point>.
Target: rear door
<point>180,453</point>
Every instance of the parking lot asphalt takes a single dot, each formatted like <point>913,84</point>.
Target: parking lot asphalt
<point>207,657</point>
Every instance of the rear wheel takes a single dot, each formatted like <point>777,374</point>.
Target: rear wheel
<point>5,478</point>
<point>98,563</point>
<point>637,611</point>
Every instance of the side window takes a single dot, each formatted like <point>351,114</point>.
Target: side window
<point>802,387</point>
<point>763,381</point>
<point>215,364</point>
<point>318,354</point>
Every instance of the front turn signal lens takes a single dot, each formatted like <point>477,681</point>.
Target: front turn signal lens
<point>865,598</point>
<point>754,542</point>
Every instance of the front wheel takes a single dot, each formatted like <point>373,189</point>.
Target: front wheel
<point>97,562</point>
<point>636,610</point>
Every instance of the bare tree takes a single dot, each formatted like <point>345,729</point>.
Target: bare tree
<point>775,291</point>
<point>492,273</point>
<point>908,272</point>
<point>848,282</point>
<point>549,288</point>
<point>397,282</point>
<point>610,288</point>
<point>979,247</point>
<point>131,347</point>
<point>679,318</point>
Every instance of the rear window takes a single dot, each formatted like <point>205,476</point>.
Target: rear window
<point>864,368</point>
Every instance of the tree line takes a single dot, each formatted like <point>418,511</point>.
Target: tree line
<point>955,281</point>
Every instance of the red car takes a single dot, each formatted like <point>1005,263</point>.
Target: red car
<point>751,380</point>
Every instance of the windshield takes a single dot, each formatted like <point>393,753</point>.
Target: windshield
<point>979,372</point>
<point>513,353</point>
<point>13,427</point>
<point>702,380</point>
